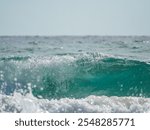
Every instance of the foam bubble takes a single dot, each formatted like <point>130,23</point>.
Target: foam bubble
<point>29,104</point>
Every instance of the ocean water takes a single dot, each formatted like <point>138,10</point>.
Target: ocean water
<point>75,74</point>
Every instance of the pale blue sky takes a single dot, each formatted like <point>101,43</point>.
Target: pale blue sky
<point>74,17</point>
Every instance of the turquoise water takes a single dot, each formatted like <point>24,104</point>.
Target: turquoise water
<point>75,74</point>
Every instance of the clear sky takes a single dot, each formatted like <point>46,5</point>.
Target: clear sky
<point>74,17</point>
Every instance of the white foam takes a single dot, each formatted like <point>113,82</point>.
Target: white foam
<point>29,104</point>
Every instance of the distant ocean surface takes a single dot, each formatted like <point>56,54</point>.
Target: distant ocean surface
<point>75,74</point>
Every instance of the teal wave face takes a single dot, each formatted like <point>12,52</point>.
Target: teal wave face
<point>75,76</point>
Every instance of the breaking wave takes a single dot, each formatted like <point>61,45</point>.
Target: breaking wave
<point>75,76</point>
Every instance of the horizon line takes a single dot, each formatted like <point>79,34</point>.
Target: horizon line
<point>88,35</point>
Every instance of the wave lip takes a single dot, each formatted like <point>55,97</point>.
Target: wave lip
<point>90,104</point>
